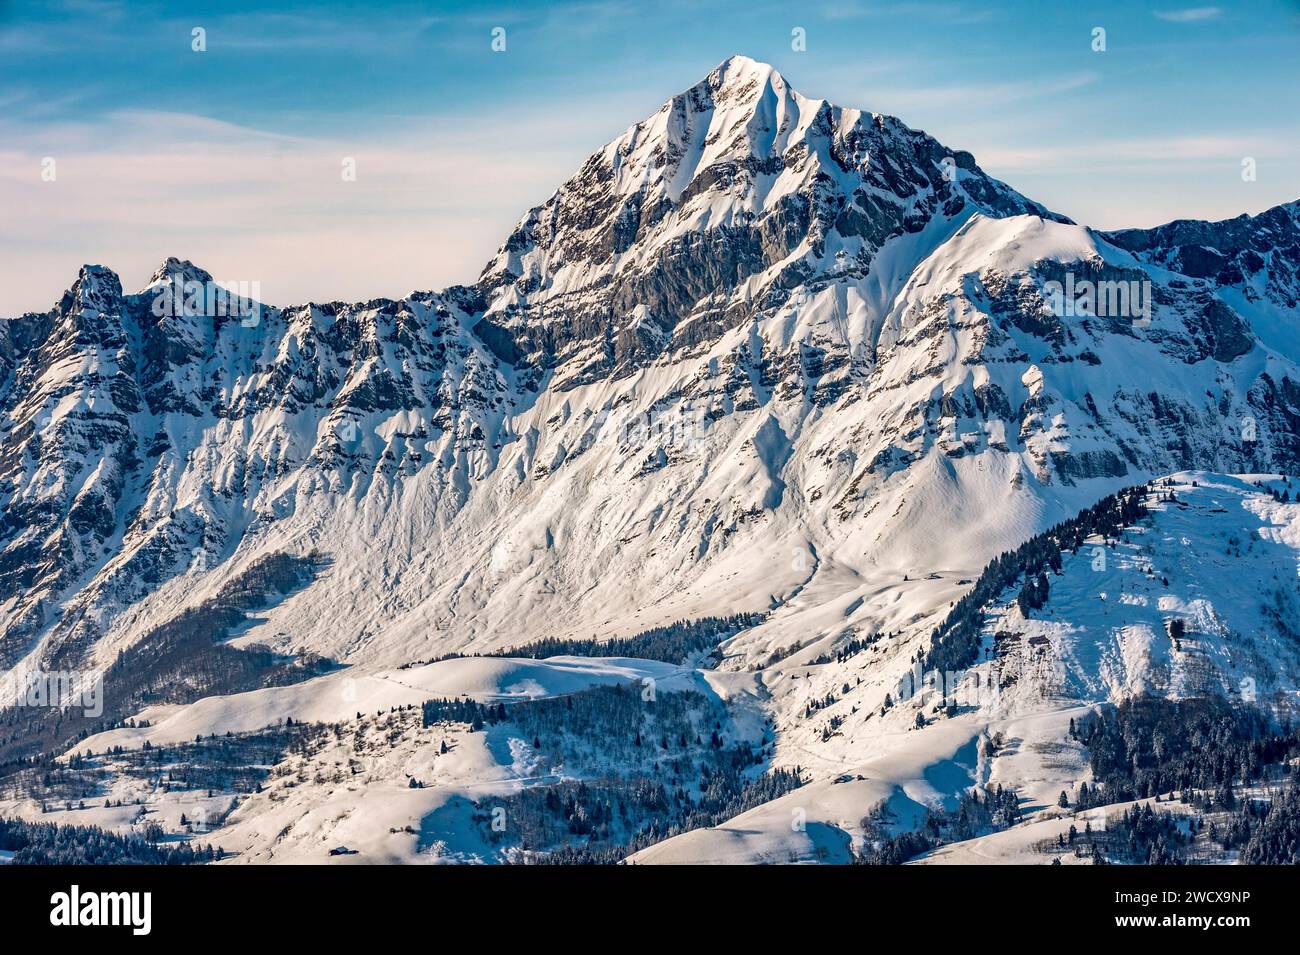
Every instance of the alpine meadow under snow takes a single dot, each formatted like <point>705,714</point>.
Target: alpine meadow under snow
<point>772,496</point>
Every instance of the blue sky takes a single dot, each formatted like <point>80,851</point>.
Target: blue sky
<point>231,157</point>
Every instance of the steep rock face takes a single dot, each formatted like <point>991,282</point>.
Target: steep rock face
<point>1251,263</point>
<point>712,211</point>
<point>70,449</point>
<point>1258,254</point>
<point>145,440</point>
<point>759,350</point>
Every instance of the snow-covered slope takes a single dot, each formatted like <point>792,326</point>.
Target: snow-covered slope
<point>340,696</point>
<point>1220,557</point>
<point>761,353</point>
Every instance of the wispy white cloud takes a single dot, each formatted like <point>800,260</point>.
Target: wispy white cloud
<point>1114,153</point>
<point>279,32</point>
<point>105,9</point>
<point>433,199</point>
<point>934,12</point>
<point>1189,14</point>
<point>903,99</point>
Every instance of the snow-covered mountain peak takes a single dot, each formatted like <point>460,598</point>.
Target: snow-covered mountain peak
<point>97,288</point>
<point>741,69</point>
<point>713,211</point>
<point>177,270</point>
<point>740,80</point>
<point>740,111</point>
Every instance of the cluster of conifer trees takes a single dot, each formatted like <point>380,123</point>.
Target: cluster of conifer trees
<point>955,643</point>
<point>673,643</point>
<point>39,843</point>
<point>655,764</point>
<point>977,812</point>
<point>1151,745</point>
<point>178,661</point>
<point>1273,828</point>
<point>727,795</point>
<point>1146,836</point>
<point>1200,750</point>
<point>233,762</point>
